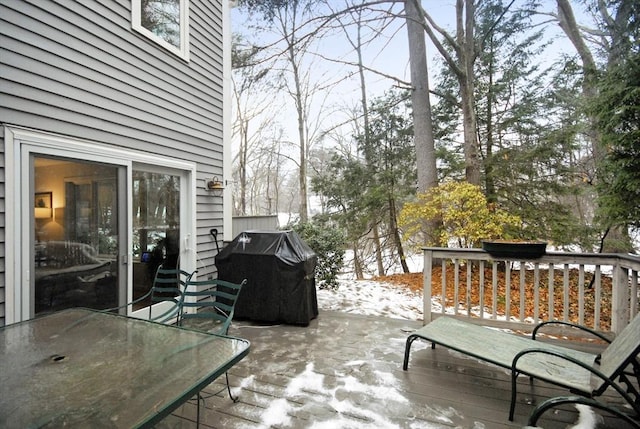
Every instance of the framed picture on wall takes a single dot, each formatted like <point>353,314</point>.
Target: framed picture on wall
<point>43,205</point>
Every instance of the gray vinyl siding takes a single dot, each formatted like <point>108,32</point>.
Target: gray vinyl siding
<point>77,68</point>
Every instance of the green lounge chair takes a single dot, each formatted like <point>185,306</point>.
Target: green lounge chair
<point>582,373</point>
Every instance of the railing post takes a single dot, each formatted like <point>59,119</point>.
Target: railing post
<point>620,298</point>
<point>426,296</point>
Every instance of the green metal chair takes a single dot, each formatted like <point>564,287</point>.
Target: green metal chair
<point>168,286</point>
<point>208,305</point>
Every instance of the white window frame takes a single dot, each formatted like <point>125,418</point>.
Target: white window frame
<point>183,50</point>
<point>19,144</point>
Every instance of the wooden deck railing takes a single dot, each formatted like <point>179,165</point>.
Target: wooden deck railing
<point>597,290</point>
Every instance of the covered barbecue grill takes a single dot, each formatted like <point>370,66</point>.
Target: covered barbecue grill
<point>280,271</point>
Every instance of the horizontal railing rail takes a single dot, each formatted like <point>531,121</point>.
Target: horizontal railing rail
<point>593,289</point>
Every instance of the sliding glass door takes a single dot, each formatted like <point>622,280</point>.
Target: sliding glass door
<point>76,233</point>
<point>76,246</point>
<point>88,223</point>
<point>156,226</point>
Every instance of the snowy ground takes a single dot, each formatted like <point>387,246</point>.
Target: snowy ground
<point>373,298</point>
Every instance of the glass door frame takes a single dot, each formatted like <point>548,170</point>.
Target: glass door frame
<point>20,144</point>
<point>186,243</point>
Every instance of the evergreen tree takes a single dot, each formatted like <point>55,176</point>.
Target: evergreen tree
<point>524,168</point>
<point>617,110</point>
<point>369,189</point>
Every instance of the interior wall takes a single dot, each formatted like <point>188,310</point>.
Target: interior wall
<point>51,176</point>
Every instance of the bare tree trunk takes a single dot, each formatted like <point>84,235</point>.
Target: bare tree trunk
<point>302,139</point>
<point>395,233</point>
<point>367,135</point>
<point>357,263</point>
<point>422,125</point>
<point>377,249</point>
<point>489,180</point>
<point>569,25</point>
<point>250,123</point>
<point>242,130</point>
<point>471,153</point>
<point>244,144</point>
<point>466,44</point>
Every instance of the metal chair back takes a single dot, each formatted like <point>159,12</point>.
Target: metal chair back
<point>208,305</point>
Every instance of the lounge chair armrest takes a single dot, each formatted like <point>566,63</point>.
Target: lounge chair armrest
<point>593,370</point>
<point>520,355</point>
<point>572,325</point>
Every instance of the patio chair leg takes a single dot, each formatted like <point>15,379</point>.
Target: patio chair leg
<point>198,410</point>
<point>512,407</point>
<point>236,398</point>
<point>407,351</point>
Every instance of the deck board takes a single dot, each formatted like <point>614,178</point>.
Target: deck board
<point>345,371</point>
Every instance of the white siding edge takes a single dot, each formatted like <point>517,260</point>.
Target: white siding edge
<point>227,159</point>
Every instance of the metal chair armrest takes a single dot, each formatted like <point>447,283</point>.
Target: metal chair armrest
<point>572,325</point>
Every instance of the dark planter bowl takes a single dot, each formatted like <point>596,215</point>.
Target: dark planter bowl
<point>515,249</point>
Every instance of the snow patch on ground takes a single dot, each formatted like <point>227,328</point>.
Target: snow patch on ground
<point>587,419</point>
<point>340,407</point>
<point>373,298</point>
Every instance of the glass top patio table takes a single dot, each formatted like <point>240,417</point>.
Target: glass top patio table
<point>83,368</point>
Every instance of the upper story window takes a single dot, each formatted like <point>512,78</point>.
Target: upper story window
<point>164,21</point>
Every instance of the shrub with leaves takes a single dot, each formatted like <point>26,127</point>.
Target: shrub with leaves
<point>328,243</point>
<point>462,214</point>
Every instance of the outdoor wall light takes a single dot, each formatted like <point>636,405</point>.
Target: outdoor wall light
<point>215,186</point>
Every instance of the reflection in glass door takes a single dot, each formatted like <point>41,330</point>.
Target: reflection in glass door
<point>76,238</point>
<point>156,227</point>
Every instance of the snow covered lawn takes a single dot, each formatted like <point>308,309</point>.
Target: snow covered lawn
<point>372,298</point>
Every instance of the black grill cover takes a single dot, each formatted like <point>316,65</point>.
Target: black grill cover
<point>279,267</point>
